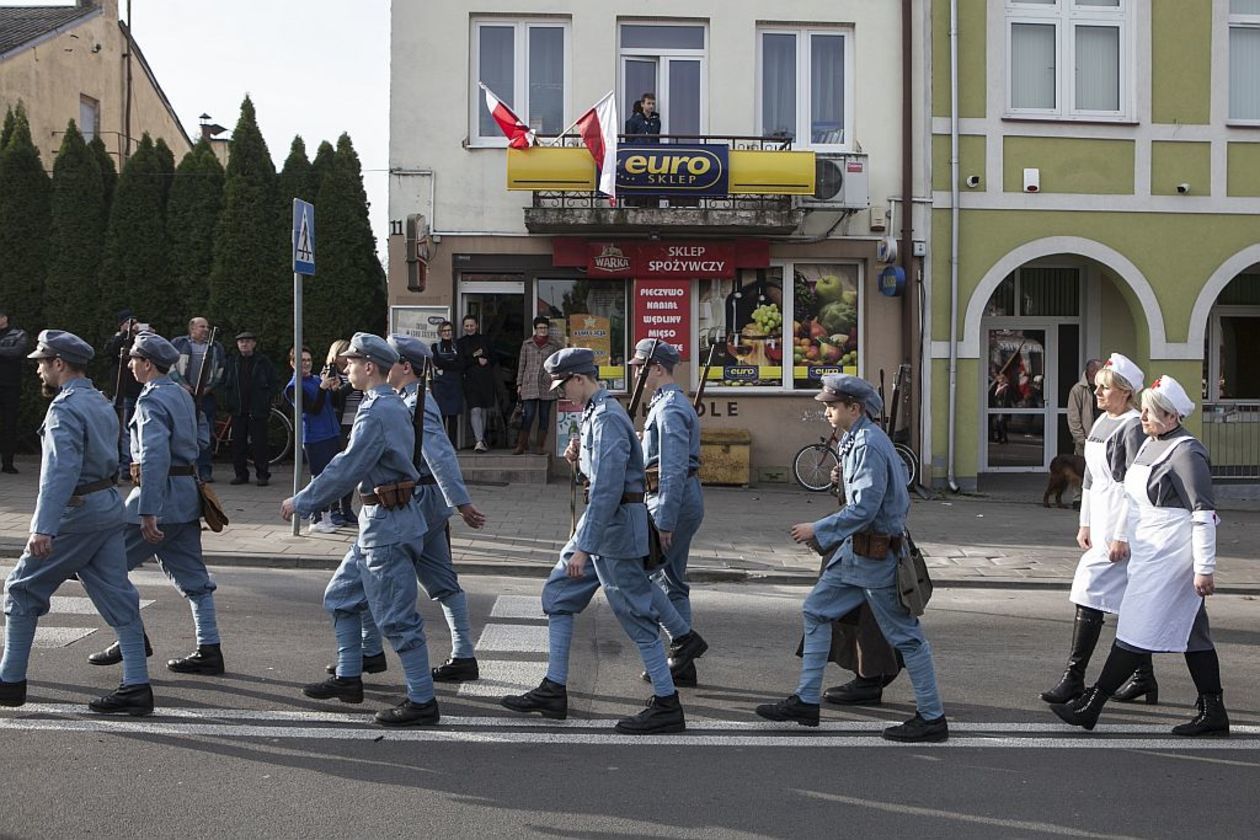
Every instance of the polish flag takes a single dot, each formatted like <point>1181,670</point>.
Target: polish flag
<point>519,135</point>
<point>598,130</point>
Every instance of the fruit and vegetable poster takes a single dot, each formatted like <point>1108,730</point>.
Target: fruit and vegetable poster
<point>825,323</point>
<point>662,309</point>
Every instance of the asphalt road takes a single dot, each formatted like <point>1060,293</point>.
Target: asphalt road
<point>246,755</point>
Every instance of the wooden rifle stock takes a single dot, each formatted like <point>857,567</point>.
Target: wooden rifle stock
<point>704,377</point>
<point>199,386</point>
<point>641,382</point>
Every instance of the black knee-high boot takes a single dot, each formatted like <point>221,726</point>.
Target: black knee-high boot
<point>1085,630</point>
<point>1210,719</point>
<point>1141,684</point>
<point>1084,712</point>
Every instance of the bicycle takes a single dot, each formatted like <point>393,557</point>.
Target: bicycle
<point>814,463</point>
<point>279,434</point>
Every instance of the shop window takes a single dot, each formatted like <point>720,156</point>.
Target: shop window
<point>781,335</point>
<point>590,313</point>
<point>1244,60</point>
<point>1069,58</point>
<point>526,64</point>
<point>804,86</point>
<point>1040,291</point>
<point>1234,342</point>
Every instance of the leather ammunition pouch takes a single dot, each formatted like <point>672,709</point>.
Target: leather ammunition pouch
<point>875,546</point>
<point>656,552</point>
<point>187,469</point>
<point>76,500</point>
<point>390,496</point>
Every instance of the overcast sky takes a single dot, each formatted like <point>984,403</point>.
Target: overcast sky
<point>313,67</point>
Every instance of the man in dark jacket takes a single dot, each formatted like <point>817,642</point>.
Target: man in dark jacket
<point>250,386</point>
<point>13,346</point>
<point>195,352</point>
<point>128,328</point>
<point>645,121</point>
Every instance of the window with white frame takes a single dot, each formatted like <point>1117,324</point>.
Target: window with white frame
<point>89,117</point>
<point>526,64</point>
<point>1233,341</point>
<point>1244,60</point>
<point>667,60</point>
<point>1069,58</point>
<point>805,86</point>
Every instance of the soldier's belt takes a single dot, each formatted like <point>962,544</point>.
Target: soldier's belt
<point>82,490</point>
<point>173,472</point>
<point>626,498</point>
<point>875,546</point>
<point>652,479</point>
<point>390,496</point>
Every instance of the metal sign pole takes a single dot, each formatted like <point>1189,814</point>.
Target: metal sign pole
<point>297,394</point>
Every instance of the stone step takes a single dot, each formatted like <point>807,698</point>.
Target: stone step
<point>496,468</point>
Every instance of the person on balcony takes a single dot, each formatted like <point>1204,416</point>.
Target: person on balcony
<point>644,121</point>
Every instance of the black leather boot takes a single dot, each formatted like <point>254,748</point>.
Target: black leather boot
<point>685,650</point>
<point>12,694</point>
<point>1085,632</point>
<point>206,660</point>
<point>661,716</point>
<point>135,700</point>
<point>1141,684</point>
<point>1083,711</point>
<point>684,677</point>
<point>112,655</point>
<point>373,664</point>
<point>859,691</point>
<point>551,699</point>
<point>918,730</point>
<point>457,670</point>
<point>1211,721</point>
<point>345,689</point>
<point>791,709</point>
<point>408,713</point>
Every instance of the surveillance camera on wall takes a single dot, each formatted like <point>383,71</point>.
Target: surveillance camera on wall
<point>1183,188</point>
<point>973,181</point>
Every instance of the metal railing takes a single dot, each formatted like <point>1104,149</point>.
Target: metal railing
<point>1231,433</point>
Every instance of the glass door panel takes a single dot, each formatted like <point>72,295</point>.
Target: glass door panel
<point>1016,410</point>
<point>681,111</point>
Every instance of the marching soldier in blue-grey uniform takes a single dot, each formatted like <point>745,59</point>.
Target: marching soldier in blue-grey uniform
<point>867,535</point>
<point>77,529</point>
<point>671,457</point>
<point>164,507</point>
<point>378,461</point>
<point>441,488</point>
<point>611,537</point>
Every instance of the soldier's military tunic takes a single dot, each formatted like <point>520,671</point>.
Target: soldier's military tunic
<point>164,436</point>
<point>671,445</point>
<point>80,448</point>
<point>379,568</point>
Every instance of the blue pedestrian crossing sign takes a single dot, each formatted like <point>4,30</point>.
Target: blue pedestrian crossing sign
<point>303,237</point>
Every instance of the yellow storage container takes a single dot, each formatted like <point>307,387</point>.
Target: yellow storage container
<point>725,456</point>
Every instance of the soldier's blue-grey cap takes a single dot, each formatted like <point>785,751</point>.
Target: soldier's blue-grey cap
<point>59,344</point>
<point>664,352</point>
<point>839,386</point>
<point>151,346</point>
<point>373,348</point>
<point>410,349</point>
<point>569,361</point>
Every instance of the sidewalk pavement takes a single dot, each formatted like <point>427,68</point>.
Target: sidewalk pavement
<point>1005,538</point>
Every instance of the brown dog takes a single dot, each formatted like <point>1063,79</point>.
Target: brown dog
<point>1065,471</point>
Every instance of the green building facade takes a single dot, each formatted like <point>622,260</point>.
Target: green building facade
<point>1108,199</point>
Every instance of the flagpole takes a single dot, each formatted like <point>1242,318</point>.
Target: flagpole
<point>580,116</point>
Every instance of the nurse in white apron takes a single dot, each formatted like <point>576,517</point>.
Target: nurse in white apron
<point>1171,531</point>
<point>1101,575</point>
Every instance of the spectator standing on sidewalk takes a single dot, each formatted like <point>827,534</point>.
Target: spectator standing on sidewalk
<point>128,329</point>
<point>448,378</point>
<point>321,431</point>
<point>1082,406</point>
<point>533,386</point>
<point>195,353</point>
<point>13,347</point>
<point>346,401</point>
<point>480,371</point>
<point>251,385</point>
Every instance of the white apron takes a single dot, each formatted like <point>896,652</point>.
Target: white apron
<point>1099,583</point>
<point>1160,603</point>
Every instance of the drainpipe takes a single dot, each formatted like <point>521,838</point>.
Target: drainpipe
<point>907,184</point>
<point>953,242</point>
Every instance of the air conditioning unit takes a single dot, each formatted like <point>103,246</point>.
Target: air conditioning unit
<point>841,182</point>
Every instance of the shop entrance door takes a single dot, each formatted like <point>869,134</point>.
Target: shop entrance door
<point>499,307</point>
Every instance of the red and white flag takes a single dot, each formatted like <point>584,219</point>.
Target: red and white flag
<point>598,129</point>
<point>519,135</point>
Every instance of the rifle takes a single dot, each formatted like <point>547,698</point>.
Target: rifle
<point>119,397</point>
<point>704,377</point>
<point>417,416</point>
<point>640,383</point>
<point>200,385</point>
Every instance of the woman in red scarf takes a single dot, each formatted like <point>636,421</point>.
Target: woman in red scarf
<point>533,385</point>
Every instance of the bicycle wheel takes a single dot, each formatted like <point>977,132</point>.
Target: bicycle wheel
<point>812,467</point>
<point>279,435</point>
<point>910,460</point>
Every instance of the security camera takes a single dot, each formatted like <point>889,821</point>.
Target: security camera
<point>1183,188</point>
<point>973,181</point>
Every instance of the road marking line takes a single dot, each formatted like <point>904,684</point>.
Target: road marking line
<point>517,606</point>
<point>70,605</point>
<point>500,677</point>
<point>513,638</point>
<point>452,735</point>
<point>58,637</point>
